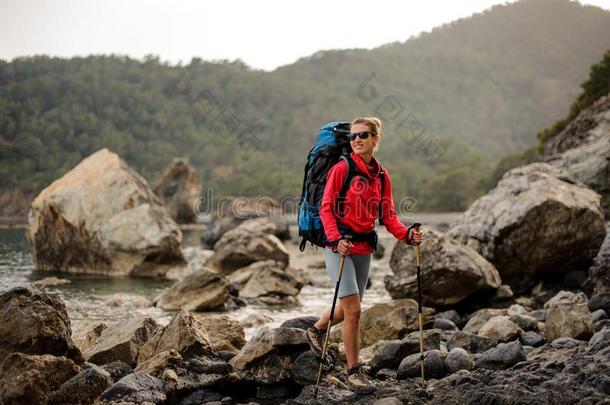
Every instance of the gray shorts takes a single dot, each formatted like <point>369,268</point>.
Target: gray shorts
<point>355,272</point>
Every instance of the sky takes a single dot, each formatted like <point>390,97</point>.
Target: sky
<point>263,34</point>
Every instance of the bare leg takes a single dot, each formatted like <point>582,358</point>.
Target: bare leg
<point>351,328</point>
<point>322,323</point>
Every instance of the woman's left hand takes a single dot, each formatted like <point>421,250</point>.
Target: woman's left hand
<point>417,236</point>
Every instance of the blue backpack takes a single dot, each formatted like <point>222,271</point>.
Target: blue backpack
<point>330,147</point>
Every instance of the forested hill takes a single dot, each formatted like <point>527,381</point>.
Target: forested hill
<point>453,101</point>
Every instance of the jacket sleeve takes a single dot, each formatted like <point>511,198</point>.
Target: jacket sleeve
<point>388,212</point>
<point>334,183</point>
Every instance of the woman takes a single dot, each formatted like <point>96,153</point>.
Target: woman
<point>360,208</point>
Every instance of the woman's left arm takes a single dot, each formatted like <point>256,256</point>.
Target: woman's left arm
<point>388,212</point>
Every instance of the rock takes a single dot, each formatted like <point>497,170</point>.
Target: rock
<point>31,379</point>
<point>304,370</point>
<point>327,394</point>
<point>240,247</point>
<point>568,316</point>
<point>451,315</point>
<point>600,340</point>
<point>257,319</point>
<point>531,338</point>
<point>86,333</point>
<point>245,208</point>
<point>50,282</point>
<point>267,341</point>
<point>117,370</point>
<point>202,396</point>
<point>201,291</point>
<point>83,388</point>
<point>388,401</point>
<point>480,318</point>
<point>599,325</point>
<point>205,365</point>
<point>102,218</point>
<point>598,315</point>
<point>224,332</point>
<point>35,323</point>
<point>387,321</point>
<point>500,329</point>
<point>444,324</point>
<point>277,226</point>
<point>391,353</point>
<point>458,359</point>
<point>184,334</point>
<point>450,273</point>
<point>539,315</point>
<point>161,360</point>
<point>501,357</point>
<point>534,214</point>
<point>265,280</point>
<point>122,341</point>
<point>136,388</point>
<point>598,281</point>
<point>582,149</point>
<point>302,322</point>
<point>179,190</point>
<point>600,301</point>
<point>410,366</point>
<point>470,342</point>
<point>525,322</point>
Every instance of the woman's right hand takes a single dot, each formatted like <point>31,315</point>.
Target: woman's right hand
<point>344,247</point>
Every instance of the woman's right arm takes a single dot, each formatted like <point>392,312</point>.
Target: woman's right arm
<point>334,183</point>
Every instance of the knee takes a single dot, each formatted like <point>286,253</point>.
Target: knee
<point>352,312</point>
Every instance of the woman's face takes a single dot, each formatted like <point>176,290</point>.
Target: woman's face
<point>363,146</point>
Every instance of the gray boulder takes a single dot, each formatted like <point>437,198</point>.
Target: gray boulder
<point>450,273</point>
<point>531,223</point>
<point>458,359</point>
<point>582,149</point>
<point>135,388</point>
<point>35,323</point>
<point>410,366</point>
<point>470,342</point>
<point>179,189</point>
<point>102,218</point>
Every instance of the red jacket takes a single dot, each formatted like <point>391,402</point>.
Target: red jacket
<point>361,205</point>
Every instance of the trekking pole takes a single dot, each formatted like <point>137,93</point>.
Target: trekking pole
<point>419,308</point>
<point>330,321</point>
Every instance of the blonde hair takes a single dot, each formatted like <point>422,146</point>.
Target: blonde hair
<point>374,125</point>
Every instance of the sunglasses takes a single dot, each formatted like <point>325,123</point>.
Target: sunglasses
<point>362,135</point>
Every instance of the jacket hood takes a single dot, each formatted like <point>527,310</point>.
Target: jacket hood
<point>361,166</point>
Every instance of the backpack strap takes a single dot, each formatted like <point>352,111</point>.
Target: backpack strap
<point>382,177</point>
<point>351,172</point>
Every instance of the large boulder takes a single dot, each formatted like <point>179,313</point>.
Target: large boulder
<point>179,189</point>
<point>241,246</point>
<point>102,218</point>
<point>184,333</point>
<point>201,291</point>
<point>568,316</point>
<point>35,323</point>
<point>31,379</point>
<point>598,281</point>
<point>122,341</point>
<point>582,149</point>
<point>532,224</point>
<point>450,273</point>
<point>266,281</point>
<point>388,321</point>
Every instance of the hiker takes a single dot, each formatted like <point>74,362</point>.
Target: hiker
<point>355,219</point>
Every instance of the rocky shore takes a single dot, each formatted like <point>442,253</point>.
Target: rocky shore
<point>516,295</point>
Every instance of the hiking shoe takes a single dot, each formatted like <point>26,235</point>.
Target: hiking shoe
<point>315,337</point>
<point>358,382</point>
